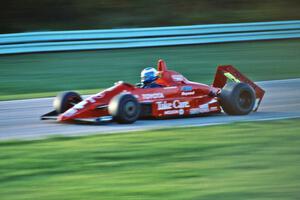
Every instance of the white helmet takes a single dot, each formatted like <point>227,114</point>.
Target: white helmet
<point>149,75</point>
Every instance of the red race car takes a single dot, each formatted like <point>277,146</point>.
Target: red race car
<point>126,103</point>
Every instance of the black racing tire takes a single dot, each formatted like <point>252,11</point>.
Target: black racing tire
<point>124,108</point>
<point>66,100</point>
<point>237,98</point>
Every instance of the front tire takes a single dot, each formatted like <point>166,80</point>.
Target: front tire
<point>237,98</point>
<point>124,108</point>
<point>66,100</point>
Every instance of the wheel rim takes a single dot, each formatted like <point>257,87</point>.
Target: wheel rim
<point>130,108</point>
<point>245,99</point>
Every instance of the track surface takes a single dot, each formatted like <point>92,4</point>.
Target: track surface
<point>20,119</point>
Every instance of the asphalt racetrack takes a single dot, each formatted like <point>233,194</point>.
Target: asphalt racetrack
<point>20,119</point>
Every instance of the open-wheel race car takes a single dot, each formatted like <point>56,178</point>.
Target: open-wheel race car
<point>178,97</point>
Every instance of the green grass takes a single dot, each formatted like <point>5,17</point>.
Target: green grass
<point>17,16</point>
<point>44,94</point>
<point>258,160</point>
<point>35,75</point>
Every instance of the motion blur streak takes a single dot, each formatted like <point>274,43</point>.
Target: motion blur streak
<point>20,119</point>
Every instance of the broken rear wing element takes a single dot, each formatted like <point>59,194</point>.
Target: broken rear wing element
<point>229,72</point>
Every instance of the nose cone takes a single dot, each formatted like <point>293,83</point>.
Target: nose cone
<point>62,118</point>
<point>68,115</point>
<point>83,109</point>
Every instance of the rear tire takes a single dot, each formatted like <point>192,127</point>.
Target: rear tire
<point>124,108</point>
<point>66,100</point>
<point>237,98</point>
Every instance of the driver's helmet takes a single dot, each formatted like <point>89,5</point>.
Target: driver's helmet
<point>149,75</point>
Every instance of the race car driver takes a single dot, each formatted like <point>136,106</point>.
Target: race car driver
<point>148,77</point>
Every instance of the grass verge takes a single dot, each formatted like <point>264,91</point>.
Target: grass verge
<point>35,75</point>
<point>257,160</point>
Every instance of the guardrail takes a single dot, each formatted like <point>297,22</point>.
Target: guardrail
<point>146,37</point>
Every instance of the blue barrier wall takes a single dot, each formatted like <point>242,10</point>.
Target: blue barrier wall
<point>146,37</point>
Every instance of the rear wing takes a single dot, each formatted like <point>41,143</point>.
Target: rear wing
<point>229,72</point>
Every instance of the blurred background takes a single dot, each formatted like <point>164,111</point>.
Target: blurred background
<point>44,74</point>
<point>36,15</point>
<point>249,160</point>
